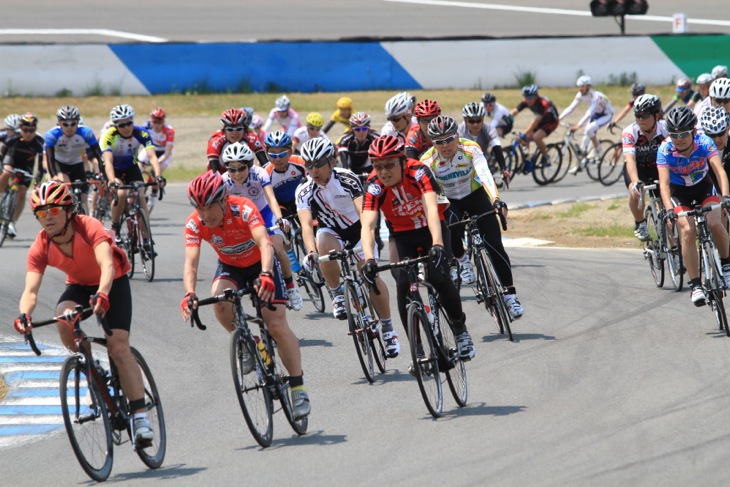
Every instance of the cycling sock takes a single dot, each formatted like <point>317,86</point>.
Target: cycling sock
<point>511,290</point>
<point>386,324</point>
<point>724,261</point>
<point>694,282</point>
<point>289,281</point>
<point>296,381</point>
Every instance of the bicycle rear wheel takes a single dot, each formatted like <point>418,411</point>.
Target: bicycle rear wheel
<point>454,367</point>
<point>611,164</point>
<point>359,331</point>
<point>566,159</point>
<point>152,454</point>
<point>652,247</point>
<point>425,364</point>
<point>283,390</point>
<point>86,419</point>
<point>495,295</point>
<point>146,258</point>
<point>545,173</point>
<point>313,290</point>
<point>7,207</point>
<point>715,285</point>
<point>251,389</point>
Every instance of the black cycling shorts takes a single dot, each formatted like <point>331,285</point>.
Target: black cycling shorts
<point>119,316</point>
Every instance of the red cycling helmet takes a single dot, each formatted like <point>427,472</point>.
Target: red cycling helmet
<point>158,113</point>
<point>427,108</point>
<point>386,147</point>
<point>51,193</point>
<point>233,117</point>
<point>206,189</point>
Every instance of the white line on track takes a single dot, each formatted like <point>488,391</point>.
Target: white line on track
<point>99,32</point>
<point>554,11</point>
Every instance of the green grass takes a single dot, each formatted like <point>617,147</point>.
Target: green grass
<point>576,210</point>
<point>619,231</point>
<point>614,206</point>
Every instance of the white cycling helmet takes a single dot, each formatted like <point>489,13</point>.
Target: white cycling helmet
<point>720,88</point>
<point>121,112</point>
<point>398,104</point>
<point>714,120</point>
<point>282,103</point>
<point>473,110</point>
<point>237,152</point>
<point>316,149</point>
<point>719,71</point>
<point>705,78</point>
<point>12,121</point>
<point>584,80</point>
<point>68,112</point>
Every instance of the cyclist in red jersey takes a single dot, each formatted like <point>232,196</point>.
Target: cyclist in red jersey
<point>406,191</point>
<point>235,229</point>
<point>417,140</point>
<point>96,275</point>
<point>235,129</point>
<point>546,117</point>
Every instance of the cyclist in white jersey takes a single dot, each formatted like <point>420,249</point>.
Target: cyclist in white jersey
<point>163,139</point>
<point>284,115</point>
<point>399,112</point>
<point>502,119</point>
<point>333,196</point>
<point>599,113</point>
<point>312,129</point>
<point>244,178</point>
<point>703,90</point>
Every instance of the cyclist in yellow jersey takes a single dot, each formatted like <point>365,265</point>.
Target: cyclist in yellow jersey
<point>341,115</point>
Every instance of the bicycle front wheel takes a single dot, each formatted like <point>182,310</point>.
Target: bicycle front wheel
<point>251,389</point>
<point>152,454</point>
<point>147,255</point>
<point>611,164</point>
<point>546,172</point>
<point>7,207</point>
<point>566,159</point>
<point>283,390</point>
<point>86,419</point>
<point>495,295</point>
<point>652,248</point>
<point>313,290</point>
<point>454,369</point>
<point>359,331</point>
<point>673,248</point>
<point>425,365</point>
<point>129,241</point>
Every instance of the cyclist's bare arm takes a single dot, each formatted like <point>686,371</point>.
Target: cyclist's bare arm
<point>108,159</point>
<point>190,272</point>
<point>664,188</point>
<point>368,220</point>
<point>430,205</point>
<point>105,259</point>
<point>29,299</point>
<point>153,160</point>
<point>632,171</point>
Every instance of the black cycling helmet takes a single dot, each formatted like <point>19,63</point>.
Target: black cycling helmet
<point>638,88</point>
<point>647,104</point>
<point>680,119</point>
<point>488,98</point>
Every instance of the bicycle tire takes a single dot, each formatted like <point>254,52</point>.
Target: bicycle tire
<point>454,367</point>
<point>7,208</point>
<point>147,259</point>
<point>652,247</point>
<point>88,425</point>
<point>496,295</point>
<point>483,290</point>
<point>154,454</point>
<point>282,387</point>
<point>129,241</point>
<point>715,285</point>
<point>566,159</point>
<point>313,290</point>
<point>511,160</point>
<point>253,394</point>
<point>675,262</point>
<point>375,334</point>
<point>425,364</point>
<point>549,170</point>
<point>592,168</point>
<point>359,332</point>
<point>611,165</point>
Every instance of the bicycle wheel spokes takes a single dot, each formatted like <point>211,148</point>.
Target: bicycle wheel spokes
<point>456,370</point>
<point>425,365</point>
<point>652,248</point>
<point>549,170</point>
<point>153,453</point>
<point>674,255</point>
<point>359,331</point>
<point>86,419</point>
<point>496,296</point>
<point>611,164</point>
<point>253,394</point>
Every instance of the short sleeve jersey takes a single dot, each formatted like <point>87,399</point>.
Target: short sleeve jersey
<point>252,188</point>
<point>161,139</point>
<point>218,142</point>
<point>331,204</point>
<point>357,151</point>
<point>402,204</point>
<point>487,138</point>
<point>233,240</point>
<point>417,142</point>
<point>687,171</point>
<point>501,116</point>
<point>22,153</point>
<point>542,106</point>
<point>285,183</point>
<point>69,150</point>
<point>82,267</point>
<point>634,141</point>
<point>288,123</point>
<point>125,150</point>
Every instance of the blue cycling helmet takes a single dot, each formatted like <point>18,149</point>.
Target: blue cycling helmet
<point>278,139</point>
<point>529,90</point>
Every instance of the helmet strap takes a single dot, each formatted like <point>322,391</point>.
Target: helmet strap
<point>64,230</point>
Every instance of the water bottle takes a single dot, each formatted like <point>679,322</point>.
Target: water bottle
<point>262,350</point>
<point>295,265</point>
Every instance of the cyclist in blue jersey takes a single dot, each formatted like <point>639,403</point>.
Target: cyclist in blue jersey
<point>683,162</point>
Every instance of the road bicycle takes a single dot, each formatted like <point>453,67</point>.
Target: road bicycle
<point>570,148</point>
<point>256,389</point>
<point>77,191</point>
<point>135,224</point>
<point>611,167</point>
<point>95,409</point>
<point>518,160</point>
<point>362,319</point>
<point>9,203</point>
<point>311,282</point>
<point>663,243</point>
<point>711,275</point>
<point>102,198</point>
<point>432,343</point>
<point>488,286</point>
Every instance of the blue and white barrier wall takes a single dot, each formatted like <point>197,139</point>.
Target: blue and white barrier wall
<point>140,69</point>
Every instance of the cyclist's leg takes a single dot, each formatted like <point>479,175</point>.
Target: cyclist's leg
<point>327,240</point>
<point>20,199</point>
<point>5,177</point>
<point>226,277</point>
<point>539,139</point>
<point>719,234</point>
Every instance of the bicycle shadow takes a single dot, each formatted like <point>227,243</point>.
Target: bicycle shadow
<point>164,472</point>
<point>518,337</point>
<point>307,342</point>
<point>389,376</point>
<point>317,438</point>
<point>476,409</point>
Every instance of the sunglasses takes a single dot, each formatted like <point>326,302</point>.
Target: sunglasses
<point>69,124</point>
<point>28,130</point>
<point>125,124</point>
<point>474,120</point>
<point>319,163</point>
<point>312,127</point>
<point>360,129</point>
<point>234,170</point>
<point>717,136</point>
<point>396,119</point>
<point>445,141</point>
<point>53,211</point>
<point>385,167</point>
<point>234,129</point>
<point>642,116</point>
<point>158,120</point>
<point>280,155</point>
<point>680,135</point>
<point>722,101</point>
